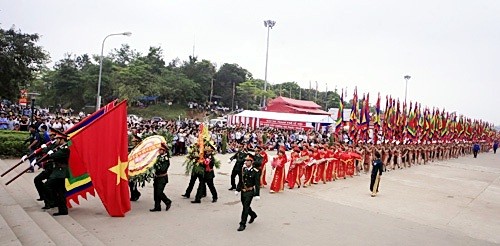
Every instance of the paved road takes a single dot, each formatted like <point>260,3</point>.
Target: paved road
<point>455,202</point>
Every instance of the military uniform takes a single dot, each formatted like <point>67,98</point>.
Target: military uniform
<point>56,187</point>
<point>207,180</point>
<point>44,175</point>
<point>134,191</point>
<point>377,167</point>
<point>194,176</point>
<point>240,160</point>
<point>160,181</point>
<point>249,187</point>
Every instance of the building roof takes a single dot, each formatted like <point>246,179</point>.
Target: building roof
<point>296,103</point>
<point>308,110</point>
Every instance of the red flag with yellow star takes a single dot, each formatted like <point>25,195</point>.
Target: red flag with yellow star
<point>102,147</point>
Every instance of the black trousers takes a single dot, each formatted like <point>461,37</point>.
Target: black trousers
<point>134,192</point>
<point>57,193</point>
<point>202,188</point>
<point>192,181</point>
<point>475,153</point>
<point>159,196</point>
<point>373,180</point>
<point>235,173</point>
<point>39,185</point>
<point>246,201</point>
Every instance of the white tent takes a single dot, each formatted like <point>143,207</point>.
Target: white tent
<point>255,119</point>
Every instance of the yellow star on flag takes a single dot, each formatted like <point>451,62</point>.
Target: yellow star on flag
<point>119,170</point>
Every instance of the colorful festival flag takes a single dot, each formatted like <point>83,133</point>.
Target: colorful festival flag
<point>339,122</point>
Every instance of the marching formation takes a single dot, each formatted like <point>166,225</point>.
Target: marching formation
<point>311,163</point>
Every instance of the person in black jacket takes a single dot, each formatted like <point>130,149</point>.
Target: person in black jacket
<point>240,159</point>
<point>161,179</point>
<point>377,167</point>
<point>208,177</point>
<point>249,187</point>
<point>55,185</point>
<point>134,191</point>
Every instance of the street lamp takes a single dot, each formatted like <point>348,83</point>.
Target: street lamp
<point>406,77</point>
<point>98,104</point>
<point>269,24</point>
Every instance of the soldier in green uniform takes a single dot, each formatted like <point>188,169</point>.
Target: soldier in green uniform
<point>207,178</point>
<point>249,187</point>
<point>45,174</point>
<point>238,166</point>
<point>134,191</point>
<point>258,158</point>
<point>58,162</point>
<point>161,179</point>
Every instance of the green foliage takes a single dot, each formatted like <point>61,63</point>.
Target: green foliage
<point>228,78</point>
<point>12,143</point>
<point>251,92</point>
<point>128,74</point>
<point>20,60</point>
<point>144,178</point>
<point>162,110</point>
<point>192,162</point>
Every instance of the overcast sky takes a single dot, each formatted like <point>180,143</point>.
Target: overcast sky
<point>451,49</point>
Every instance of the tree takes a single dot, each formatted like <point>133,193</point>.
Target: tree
<point>202,73</point>
<point>251,92</point>
<point>20,60</point>
<point>66,83</point>
<point>228,78</point>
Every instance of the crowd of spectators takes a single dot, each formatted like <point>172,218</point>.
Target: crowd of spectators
<point>18,118</point>
<point>184,132</point>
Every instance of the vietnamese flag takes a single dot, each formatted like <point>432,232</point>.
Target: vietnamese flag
<point>102,147</point>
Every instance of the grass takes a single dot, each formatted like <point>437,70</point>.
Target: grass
<point>162,110</point>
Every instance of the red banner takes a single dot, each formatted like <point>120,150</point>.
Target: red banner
<point>284,124</point>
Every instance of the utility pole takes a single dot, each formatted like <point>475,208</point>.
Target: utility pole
<point>234,92</point>
<point>326,98</point>
<point>211,89</point>
<point>316,93</point>
<point>309,93</point>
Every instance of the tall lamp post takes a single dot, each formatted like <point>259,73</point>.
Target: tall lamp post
<point>406,77</point>
<point>269,24</point>
<point>98,104</point>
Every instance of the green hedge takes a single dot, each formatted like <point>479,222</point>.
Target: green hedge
<point>12,144</point>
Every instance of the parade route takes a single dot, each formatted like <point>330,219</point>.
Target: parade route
<point>453,202</point>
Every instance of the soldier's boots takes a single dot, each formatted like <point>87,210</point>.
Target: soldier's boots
<point>60,213</point>
<point>134,197</point>
<point>241,228</point>
<point>252,218</point>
